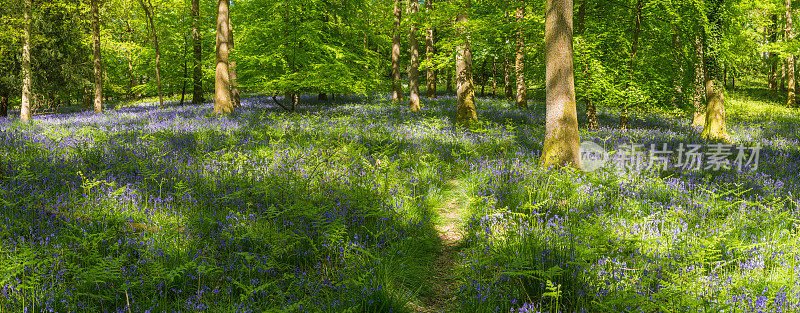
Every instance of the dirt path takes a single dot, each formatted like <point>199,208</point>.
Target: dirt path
<point>442,297</point>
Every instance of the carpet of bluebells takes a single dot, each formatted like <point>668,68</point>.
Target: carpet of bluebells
<point>332,209</point>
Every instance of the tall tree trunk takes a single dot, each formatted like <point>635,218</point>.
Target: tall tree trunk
<point>148,11</point>
<point>562,139</point>
<point>185,69</point>
<point>522,98</point>
<point>223,103</point>
<point>4,103</point>
<point>430,51</point>
<point>509,90</point>
<point>413,75</point>
<point>637,25</point>
<point>197,90</point>
<point>449,81</point>
<point>790,100</point>
<point>397,90</point>
<point>98,66</point>
<point>465,89</point>
<point>25,106</point>
<point>715,128</point>
<point>773,57</point>
<point>483,77</point>
<point>494,77</point>
<point>235,97</point>
<point>699,116</point>
<point>591,107</point>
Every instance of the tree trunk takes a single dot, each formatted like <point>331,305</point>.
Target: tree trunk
<point>715,116</point>
<point>25,106</point>
<point>321,97</point>
<point>235,97</point>
<point>149,13</point>
<point>397,90</point>
<point>429,52</point>
<point>4,104</point>
<point>509,90</point>
<point>637,25</point>
<point>98,66</point>
<point>562,139</point>
<point>494,77</point>
<point>449,81</point>
<point>223,103</point>
<point>522,98</point>
<point>413,75</point>
<point>483,78</point>
<point>699,116</point>
<point>715,128</point>
<point>185,69</point>
<point>465,89</point>
<point>197,91</point>
<point>773,57</point>
<point>790,100</point>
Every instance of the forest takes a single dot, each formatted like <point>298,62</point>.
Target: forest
<point>399,156</point>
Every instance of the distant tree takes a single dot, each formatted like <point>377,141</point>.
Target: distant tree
<point>522,98</point>
<point>98,65</point>
<point>465,89</point>
<point>429,53</point>
<point>223,103</point>
<point>699,115</point>
<point>715,126</point>
<point>790,99</point>
<point>413,75</point>
<point>197,90</point>
<point>25,106</point>
<point>397,90</point>
<point>148,12</point>
<point>562,139</point>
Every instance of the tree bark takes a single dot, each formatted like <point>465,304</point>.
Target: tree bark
<point>522,98</point>
<point>465,89</point>
<point>790,100</point>
<point>430,52</point>
<point>149,13</point>
<point>197,90</point>
<point>509,90</point>
<point>185,69</point>
<point>223,103</point>
<point>98,65</point>
<point>4,104</point>
<point>235,96</point>
<point>483,78</point>
<point>397,90</point>
<point>449,81</point>
<point>715,128</point>
<point>699,116</point>
<point>772,79</point>
<point>25,106</point>
<point>562,139</point>
<point>494,77</point>
<point>413,75</point>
